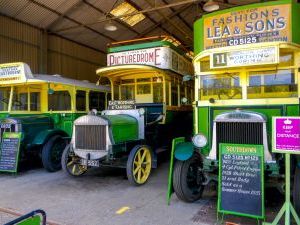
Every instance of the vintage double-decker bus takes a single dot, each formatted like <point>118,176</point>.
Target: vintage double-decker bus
<point>246,64</point>
<point>148,72</point>
<point>43,108</point>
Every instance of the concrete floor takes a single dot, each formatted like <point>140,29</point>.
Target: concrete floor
<point>96,197</point>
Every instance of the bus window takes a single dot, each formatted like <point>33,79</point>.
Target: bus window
<point>286,59</point>
<point>20,99</point>
<point>59,101</point>
<point>35,101</point>
<point>158,92</point>
<point>220,86</point>
<point>174,92</point>
<point>4,98</point>
<point>97,100</point>
<point>35,97</point>
<point>116,92</point>
<point>167,92</point>
<point>80,100</point>
<point>127,92</point>
<point>143,89</point>
<point>272,84</point>
<point>182,92</point>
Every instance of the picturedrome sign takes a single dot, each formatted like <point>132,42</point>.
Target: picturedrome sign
<point>261,24</point>
<point>161,57</point>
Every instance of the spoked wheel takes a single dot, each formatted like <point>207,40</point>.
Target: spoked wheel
<point>188,178</point>
<point>51,153</point>
<point>139,165</point>
<point>70,163</point>
<point>296,196</point>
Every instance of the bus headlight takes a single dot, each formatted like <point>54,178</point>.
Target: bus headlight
<point>199,140</point>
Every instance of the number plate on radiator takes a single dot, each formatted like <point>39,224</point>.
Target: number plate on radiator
<point>94,163</point>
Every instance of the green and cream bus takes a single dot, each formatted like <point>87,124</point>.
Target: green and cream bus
<point>246,64</point>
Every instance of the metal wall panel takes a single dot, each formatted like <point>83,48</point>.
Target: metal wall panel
<point>21,42</point>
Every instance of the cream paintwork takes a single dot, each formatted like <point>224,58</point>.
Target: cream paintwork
<point>56,82</point>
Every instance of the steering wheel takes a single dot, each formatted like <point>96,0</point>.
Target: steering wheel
<point>17,103</point>
<point>5,100</point>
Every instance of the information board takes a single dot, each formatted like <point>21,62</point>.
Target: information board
<point>121,105</point>
<point>9,155</point>
<point>241,176</point>
<point>286,135</point>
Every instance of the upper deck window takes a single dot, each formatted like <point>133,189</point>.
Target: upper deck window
<point>272,84</point>
<point>220,86</point>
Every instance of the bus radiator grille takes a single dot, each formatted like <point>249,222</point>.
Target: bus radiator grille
<point>239,133</point>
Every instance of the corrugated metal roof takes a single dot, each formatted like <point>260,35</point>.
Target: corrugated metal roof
<point>60,16</point>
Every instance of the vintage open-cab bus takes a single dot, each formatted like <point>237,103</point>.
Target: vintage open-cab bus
<point>247,62</point>
<point>149,72</point>
<point>43,108</point>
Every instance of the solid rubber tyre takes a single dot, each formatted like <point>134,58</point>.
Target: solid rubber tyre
<point>180,179</point>
<point>138,169</point>
<point>52,152</point>
<point>296,190</point>
<point>69,165</point>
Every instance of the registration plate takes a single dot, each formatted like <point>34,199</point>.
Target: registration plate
<point>94,163</point>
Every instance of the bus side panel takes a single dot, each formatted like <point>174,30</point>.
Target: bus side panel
<point>292,110</point>
<point>204,127</point>
<point>295,22</point>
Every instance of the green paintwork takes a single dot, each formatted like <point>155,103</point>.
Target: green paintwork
<point>36,220</point>
<point>184,151</point>
<point>144,45</point>
<point>123,127</point>
<point>295,22</point>
<point>175,142</point>
<point>198,25</point>
<point>205,125</point>
<point>44,135</point>
<point>38,128</point>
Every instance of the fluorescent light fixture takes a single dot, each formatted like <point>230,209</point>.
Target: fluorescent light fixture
<point>211,6</point>
<point>125,8</point>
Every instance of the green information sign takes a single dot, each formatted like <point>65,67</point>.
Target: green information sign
<point>9,152</point>
<point>241,180</point>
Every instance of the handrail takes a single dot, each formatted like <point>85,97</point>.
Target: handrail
<point>28,215</point>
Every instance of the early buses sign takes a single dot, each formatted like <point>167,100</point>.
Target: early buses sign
<point>245,57</point>
<point>261,24</point>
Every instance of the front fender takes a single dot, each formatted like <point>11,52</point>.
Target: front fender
<point>184,151</point>
<point>44,135</point>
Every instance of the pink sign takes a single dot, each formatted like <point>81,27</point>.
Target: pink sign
<point>287,134</point>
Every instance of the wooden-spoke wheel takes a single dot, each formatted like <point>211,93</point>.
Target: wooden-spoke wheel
<point>70,163</point>
<point>139,165</point>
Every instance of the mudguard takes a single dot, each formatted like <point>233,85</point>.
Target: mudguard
<point>181,150</point>
<point>43,136</point>
<point>184,151</point>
